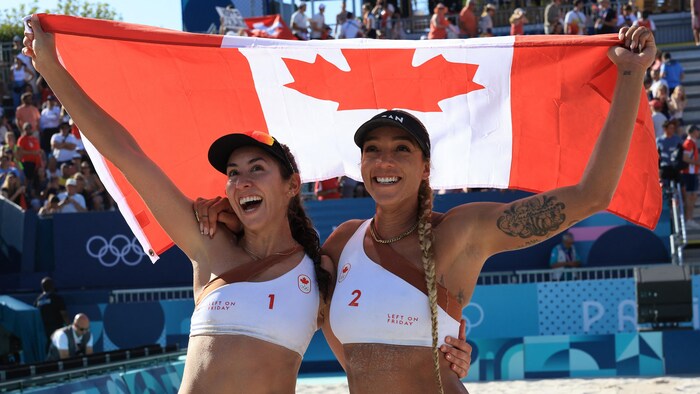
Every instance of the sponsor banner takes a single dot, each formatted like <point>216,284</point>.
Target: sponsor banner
<point>502,311</point>
<point>99,250</point>
<point>593,307</point>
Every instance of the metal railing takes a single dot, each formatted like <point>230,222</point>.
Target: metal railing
<point>87,371</point>
<point>669,30</point>
<point>148,295</point>
<point>566,275</point>
<point>678,238</point>
<point>486,278</point>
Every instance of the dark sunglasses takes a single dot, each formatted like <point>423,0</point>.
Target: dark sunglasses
<point>83,329</point>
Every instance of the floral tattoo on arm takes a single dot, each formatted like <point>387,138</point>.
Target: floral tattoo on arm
<point>534,217</point>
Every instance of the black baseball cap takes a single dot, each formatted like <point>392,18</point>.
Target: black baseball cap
<point>400,119</point>
<point>220,150</point>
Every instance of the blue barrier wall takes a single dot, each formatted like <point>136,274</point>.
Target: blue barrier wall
<point>518,331</point>
<point>563,356</point>
<point>595,307</point>
<point>100,251</point>
<point>96,250</point>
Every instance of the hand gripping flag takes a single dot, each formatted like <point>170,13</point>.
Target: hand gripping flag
<point>506,112</point>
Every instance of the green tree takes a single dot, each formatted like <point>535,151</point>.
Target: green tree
<point>11,19</point>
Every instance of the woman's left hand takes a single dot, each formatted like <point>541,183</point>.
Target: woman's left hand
<point>459,353</point>
<point>209,212</point>
<point>637,51</point>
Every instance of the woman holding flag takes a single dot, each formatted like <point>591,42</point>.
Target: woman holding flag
<point>389,266</point>
<point>268,266</point>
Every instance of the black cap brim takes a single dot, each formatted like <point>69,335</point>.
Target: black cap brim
<point>375,123</point>
<point>221,149</point>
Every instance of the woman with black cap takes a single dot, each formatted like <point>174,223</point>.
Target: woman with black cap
<point>386,266</point>
<point>258,291</point>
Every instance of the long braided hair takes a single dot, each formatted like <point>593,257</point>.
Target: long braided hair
<point>425,237</point>
<point>303,230</point>
<point>413,126</point>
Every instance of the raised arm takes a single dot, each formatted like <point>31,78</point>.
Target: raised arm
<point>171,208</point>
<point>501,227</point>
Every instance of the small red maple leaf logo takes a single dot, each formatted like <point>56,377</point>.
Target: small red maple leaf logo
<point>383,79</point>
<point>345,269</point>
<point>304,284</point>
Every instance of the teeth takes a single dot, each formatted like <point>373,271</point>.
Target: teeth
<point>248,199</point>
<point>387,179</point>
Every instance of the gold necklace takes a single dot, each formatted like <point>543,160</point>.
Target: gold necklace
<point>391,240</point>
<point>253,255</point>
<point>282,253</point>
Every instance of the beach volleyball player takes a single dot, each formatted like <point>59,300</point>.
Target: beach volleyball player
<point>276,253</point>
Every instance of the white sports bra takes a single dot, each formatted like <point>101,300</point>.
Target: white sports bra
<point>282,311</point>
<point>386,302</point>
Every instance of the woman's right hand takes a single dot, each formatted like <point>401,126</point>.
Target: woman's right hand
<point>210,211</point>
<point>39,45</point>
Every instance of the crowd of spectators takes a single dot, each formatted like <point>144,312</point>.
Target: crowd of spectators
<point>44,167</point>
<point>676,141</point>
<point>382,19</point>
<point>43,163</point>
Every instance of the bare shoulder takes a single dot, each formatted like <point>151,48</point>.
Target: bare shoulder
<point>221,247</point>
<point>341,235</point>
<point>465,216</point>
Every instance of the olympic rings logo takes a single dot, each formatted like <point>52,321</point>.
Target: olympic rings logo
<point>118,248</point>
<point>469,324</point>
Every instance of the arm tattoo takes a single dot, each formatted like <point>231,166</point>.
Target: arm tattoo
<point>460,297</point>
<point>533,217</point>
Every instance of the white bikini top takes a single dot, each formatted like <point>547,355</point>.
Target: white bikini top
<point>282,311</point>
<point>386,302</point>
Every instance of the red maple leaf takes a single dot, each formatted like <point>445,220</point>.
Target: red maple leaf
<point>383,79</point>
<point>304,281</point>
<point>345,269</point>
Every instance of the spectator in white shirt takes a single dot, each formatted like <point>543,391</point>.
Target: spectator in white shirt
<point>318,24</point>
<point>657,117</point>
<point>49,120</point>
<point>575,20</point>
<point>64,144</point>
<point>71,201</point>
<point>300,23</point>
<point>351,28</point>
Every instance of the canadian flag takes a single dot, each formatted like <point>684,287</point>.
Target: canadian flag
<point>506,112</point>
<point>268,26</point>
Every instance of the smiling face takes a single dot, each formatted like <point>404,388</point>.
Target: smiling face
<point>256,189</point>
<point>393,166</point>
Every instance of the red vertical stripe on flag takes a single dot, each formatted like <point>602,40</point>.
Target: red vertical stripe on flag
<point>560,97</point>
<point>174,99</point>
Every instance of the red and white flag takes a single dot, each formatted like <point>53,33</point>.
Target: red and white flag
<point>268,26</point>
<point>506,112</point>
